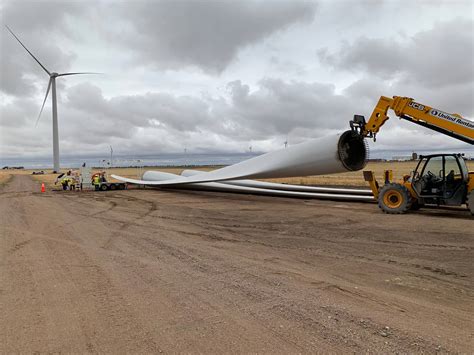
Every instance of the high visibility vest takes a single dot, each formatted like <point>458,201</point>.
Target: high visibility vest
<point>96,180</point>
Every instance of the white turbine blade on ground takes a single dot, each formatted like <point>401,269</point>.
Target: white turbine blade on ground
<point>44,101</point>
<point>64,74</point>
<point>42,66</point>
<point>148,175</point>
<point>225,187</point>
<point>327,155</point>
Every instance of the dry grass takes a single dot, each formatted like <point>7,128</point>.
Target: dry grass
<point>4,177</point>
<point>48,178</point>
<point>342,179</point>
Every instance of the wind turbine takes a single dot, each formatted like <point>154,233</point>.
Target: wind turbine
<point>52,86</point>
<point>111,155</point>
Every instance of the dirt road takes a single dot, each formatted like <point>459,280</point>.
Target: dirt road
<point>163,271</point>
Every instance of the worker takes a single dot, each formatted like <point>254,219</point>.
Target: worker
<point>96,181</point>
<point>72,184</point>
<point>58,178</point>
<point>64,184</point>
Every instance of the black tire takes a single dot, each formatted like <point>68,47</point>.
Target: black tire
<point>415,205</point>
<point>394,199</point>
<point>104,187</point>
<point>470,202</point>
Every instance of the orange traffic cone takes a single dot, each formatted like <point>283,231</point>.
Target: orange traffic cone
<point>42,187</point>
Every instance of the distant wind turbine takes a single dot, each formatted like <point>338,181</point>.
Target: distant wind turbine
<point>52,86</point>
<point>111,155</point>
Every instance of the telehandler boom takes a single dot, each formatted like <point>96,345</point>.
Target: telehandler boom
<point>440,179</point>
<point>404,107</point>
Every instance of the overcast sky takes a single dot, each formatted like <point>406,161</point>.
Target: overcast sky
<point>219,76</point>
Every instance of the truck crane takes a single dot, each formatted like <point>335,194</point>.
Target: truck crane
<point>439,179</point>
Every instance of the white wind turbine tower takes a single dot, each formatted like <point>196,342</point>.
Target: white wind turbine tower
<point>52,86</point>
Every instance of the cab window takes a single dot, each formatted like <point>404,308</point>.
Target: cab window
<point>434,166</point>
<point>451,169</point>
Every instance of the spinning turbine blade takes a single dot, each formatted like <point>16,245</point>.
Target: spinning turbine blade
<point>44,101</point>
<point>78,73</point>
<point>42,66</point>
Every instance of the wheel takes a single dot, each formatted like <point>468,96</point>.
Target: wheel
<point>470,202</point>
<point>416,205</point>
<point>103,187</point>
<point>394,199</point>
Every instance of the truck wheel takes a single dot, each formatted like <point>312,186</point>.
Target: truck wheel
<point>103,187</point>
<point>394,199</point>
<point>416,205</point>
<point>470,202</point>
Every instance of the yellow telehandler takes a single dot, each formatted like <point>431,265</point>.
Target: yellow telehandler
<point>439,179</point>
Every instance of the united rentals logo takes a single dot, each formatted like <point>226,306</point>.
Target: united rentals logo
<point>454,119</point>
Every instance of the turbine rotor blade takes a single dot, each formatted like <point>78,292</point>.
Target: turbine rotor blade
<point>64,74</point>
<point>41,65</point>
<point>44,101</point>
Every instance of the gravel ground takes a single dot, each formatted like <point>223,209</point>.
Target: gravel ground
<point>169,271</point>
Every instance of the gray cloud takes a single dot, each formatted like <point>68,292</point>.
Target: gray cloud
<point>275,109</point>
<point>205,34</point>
<point>441,56</point>
<point>265,116</point>
<point>263,93</point>
<point>39,25</point>
<point>151,109</point>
